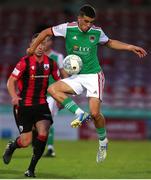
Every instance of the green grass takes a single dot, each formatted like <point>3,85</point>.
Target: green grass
<point>76,160</point>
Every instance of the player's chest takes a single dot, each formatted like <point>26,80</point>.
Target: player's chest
<point>82,39</point>
<point>38,68</point>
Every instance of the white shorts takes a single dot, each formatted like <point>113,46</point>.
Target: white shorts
<point>92,83</point>
<point>52,106</point>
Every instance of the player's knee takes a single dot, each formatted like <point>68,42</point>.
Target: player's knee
<point>43,132</point>
<point>43,136</point>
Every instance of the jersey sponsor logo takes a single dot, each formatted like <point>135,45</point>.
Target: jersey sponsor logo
<point>92,38</point>
<point>84,49</point>
<point>81,50</point>
<point>39,76</point>
<point>16,72</point>
<point>46,66</point>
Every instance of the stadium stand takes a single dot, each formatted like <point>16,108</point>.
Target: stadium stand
<point>127,77</point>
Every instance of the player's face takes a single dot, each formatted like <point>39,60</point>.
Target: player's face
<point>85,23</point>
<point>40,49</point>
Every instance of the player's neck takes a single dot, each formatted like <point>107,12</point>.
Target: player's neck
<point>39,58</point>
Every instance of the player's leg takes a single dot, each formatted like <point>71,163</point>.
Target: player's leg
<point>43,121</point>
<point>39,145</point>
<point>25,137</point>
<point>50,142</point>
<point>59,91</point>
<point>21,142</point>
<point>95,93</point>
<point>34,135</point>
<point>99,122</point>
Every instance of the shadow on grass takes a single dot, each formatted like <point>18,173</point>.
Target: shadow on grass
<point>20,175</point>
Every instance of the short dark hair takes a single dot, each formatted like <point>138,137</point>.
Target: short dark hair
<point>87,10</point>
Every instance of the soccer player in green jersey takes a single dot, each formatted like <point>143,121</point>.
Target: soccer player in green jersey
<point>53,105</point>
<point>82,38</point>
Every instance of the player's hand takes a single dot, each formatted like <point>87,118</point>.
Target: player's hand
<point>15,100</point>
<point>137,50</point>
<point>76,123</point>
<point>29,52</point>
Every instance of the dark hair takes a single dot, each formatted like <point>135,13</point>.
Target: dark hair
<point>87,10</point>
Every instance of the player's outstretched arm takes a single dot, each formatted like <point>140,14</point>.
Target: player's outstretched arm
<point>42,35</point>
<point>115,44</point>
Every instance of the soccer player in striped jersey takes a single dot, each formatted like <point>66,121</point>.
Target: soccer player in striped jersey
<point>82,38</point>
<point>30,77</point>
<point>53,105</point>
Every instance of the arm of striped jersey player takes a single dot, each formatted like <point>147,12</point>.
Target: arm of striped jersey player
<point>11,86</point>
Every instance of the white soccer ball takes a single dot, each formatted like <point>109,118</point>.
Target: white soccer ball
<point>72,64</point>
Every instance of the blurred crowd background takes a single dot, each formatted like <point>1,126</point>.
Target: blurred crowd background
<point>127,93</point>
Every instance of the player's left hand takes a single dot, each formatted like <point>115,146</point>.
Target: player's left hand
<point>137,50</point>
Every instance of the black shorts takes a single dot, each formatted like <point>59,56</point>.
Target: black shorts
<point>27,116</point>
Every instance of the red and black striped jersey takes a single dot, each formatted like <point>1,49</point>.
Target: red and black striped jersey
<point>32,79</point>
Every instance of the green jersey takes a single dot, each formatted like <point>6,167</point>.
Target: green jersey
<point>83,44</point>
<point>58,57</point>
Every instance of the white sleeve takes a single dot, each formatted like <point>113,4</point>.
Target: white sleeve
<point>60,61</point>
<point>103,38</point>
<point>60,30</point>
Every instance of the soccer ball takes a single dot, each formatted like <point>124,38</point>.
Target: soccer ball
<point>72,64</point>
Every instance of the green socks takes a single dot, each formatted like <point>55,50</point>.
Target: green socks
<point>69,104</point>
<point>50,140</point>
<point>101,133</point>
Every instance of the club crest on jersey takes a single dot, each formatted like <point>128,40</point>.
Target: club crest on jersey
<point>92,38</point>
<point>46,66</point>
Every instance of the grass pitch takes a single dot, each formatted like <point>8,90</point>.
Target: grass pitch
<point>76,160</point>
